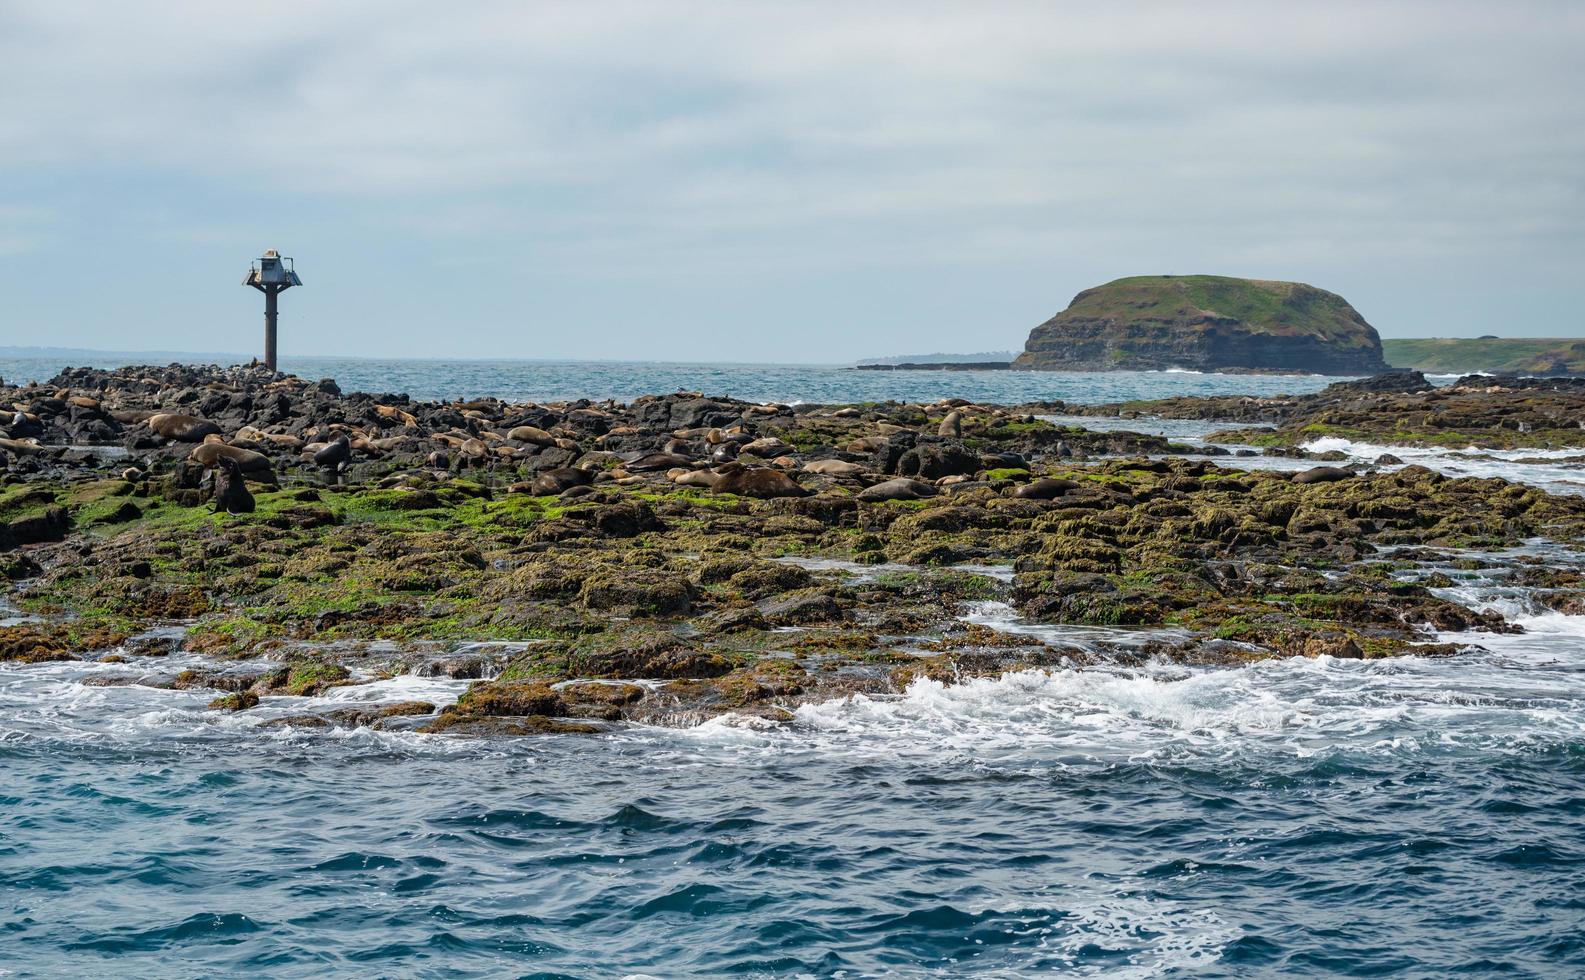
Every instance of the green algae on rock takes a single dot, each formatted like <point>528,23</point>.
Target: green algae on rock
<point>635,595</point>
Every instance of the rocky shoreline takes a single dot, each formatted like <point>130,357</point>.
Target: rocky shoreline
<point>683,557</point>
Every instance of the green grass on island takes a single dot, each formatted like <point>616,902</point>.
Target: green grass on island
<point>1492,355</point>
<point>1263,306</point>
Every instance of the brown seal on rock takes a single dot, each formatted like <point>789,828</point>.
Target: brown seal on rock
<point>563,478</point>
<point>767,447</point>
<point>757,482</point>
<point>1047,489</point>
<point>531,434</point>
<point>210,454</point>
<point>901,488</point>
<point>656,462</point>
<point>834,467</point>
<point>22,447</point>
<point>696,478</point>
<point>952,425</point>
<point>231,489</point>
<point>182,428</point>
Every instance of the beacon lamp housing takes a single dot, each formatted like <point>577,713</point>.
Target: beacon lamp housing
<point>272,269</point>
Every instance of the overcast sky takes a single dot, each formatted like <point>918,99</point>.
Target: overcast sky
<point>765,182</point>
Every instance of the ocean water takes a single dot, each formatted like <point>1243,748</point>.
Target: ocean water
<point>547,381</point>
<point>1416,817</point>
<point>1413,817</point>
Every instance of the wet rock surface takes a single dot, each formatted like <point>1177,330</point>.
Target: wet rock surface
<point>583,565</point>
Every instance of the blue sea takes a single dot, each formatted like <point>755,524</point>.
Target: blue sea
<point>1413,817</point>
<point>623,381</point>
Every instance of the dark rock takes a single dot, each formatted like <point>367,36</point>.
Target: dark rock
<point>932,461</point>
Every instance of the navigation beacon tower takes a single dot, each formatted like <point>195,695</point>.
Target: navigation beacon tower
<point>272,275</point>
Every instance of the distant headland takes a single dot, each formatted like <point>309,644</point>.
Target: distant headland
<point>1546,357</point>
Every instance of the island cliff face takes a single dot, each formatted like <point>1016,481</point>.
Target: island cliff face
<point>1205,323</point>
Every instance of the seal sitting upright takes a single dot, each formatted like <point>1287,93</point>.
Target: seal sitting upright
<point>231,488</point>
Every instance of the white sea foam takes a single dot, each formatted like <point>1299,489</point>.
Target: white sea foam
<point>1003,617</point>
<point>1159,938</point>
<point>1555,470</point>
<point>403,687</point>
<point>1293,707</point>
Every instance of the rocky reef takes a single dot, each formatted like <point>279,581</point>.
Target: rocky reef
<point>681,557</point>
<point>1399,408</point>
<point>1205,323</point>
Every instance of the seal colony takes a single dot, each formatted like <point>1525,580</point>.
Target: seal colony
<point>681,557</point>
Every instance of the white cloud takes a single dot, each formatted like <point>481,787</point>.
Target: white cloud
<point>776,136</point>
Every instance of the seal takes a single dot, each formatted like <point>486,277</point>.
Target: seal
<point>833,467</point>
<point>211,453</point>
<point>952,425</point>
<point>1322,474</point>
<point>181,428</point>
<point>756,482</point>
<point>1046,489</point>
<point>559,480</point>
<point>335,454</point>
<point>901,488</point>
<point>531,434</point>
<point>656,462</point>
<point>231,489</point>
<point>24,425</point>
<point>767,447</point>
<point>22,447</point>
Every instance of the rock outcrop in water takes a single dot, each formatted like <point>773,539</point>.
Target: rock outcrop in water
<point>682,556</point>
<point>1205,323</point>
